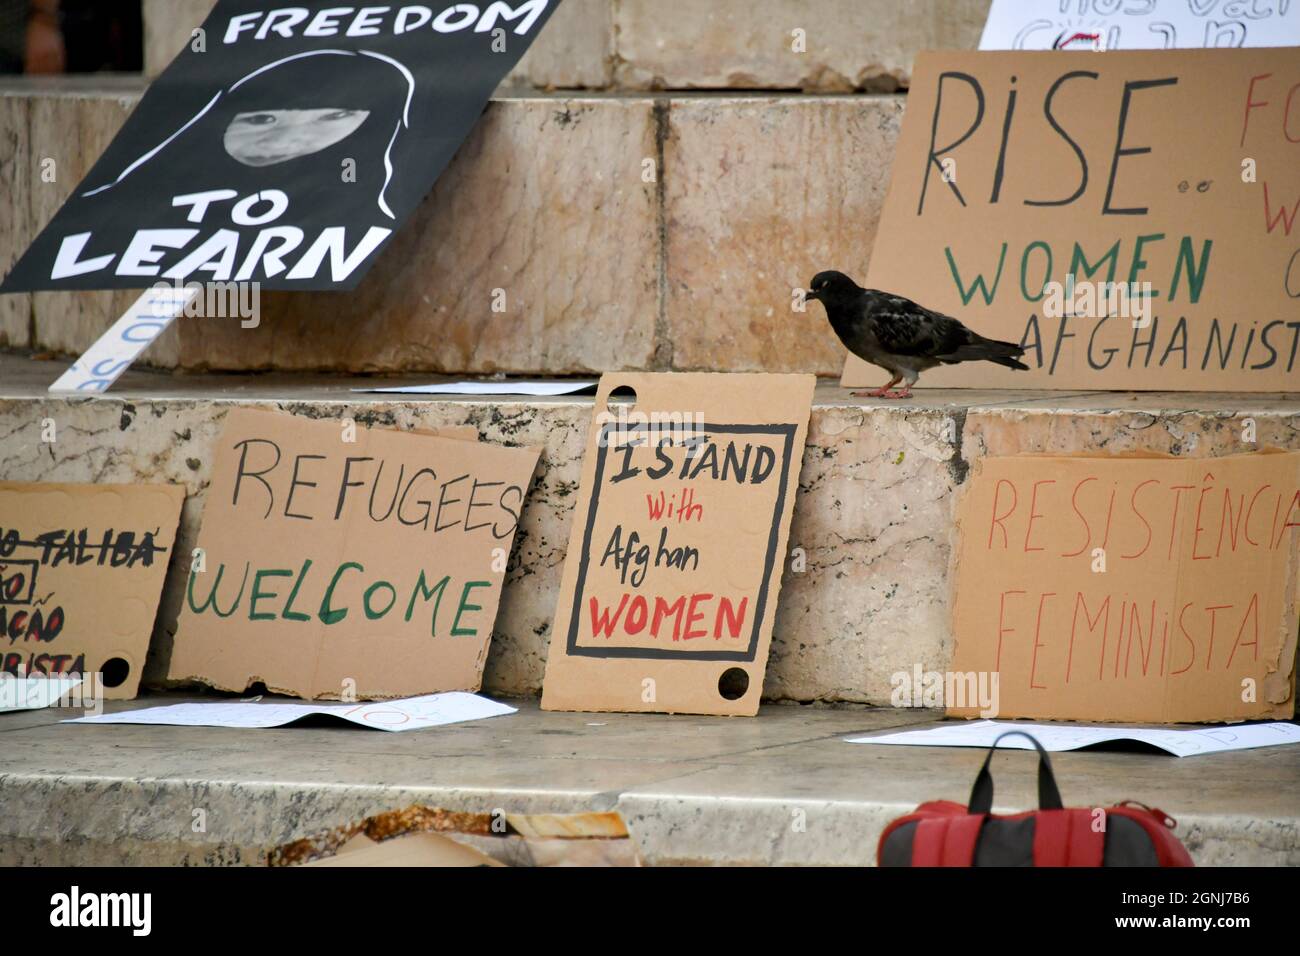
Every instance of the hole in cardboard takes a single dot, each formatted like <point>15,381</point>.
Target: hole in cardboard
<point>623,394</point>
<point>115,671</point>
<point>733,683</point>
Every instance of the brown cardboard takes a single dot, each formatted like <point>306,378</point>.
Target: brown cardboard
<point>81,571</point>
<point>1200,574</point>
<point>411,849</point>
<point>1207,128</point>
<point>578,839</point>
<point>454,519</point>
<point>568,826</point>
<point>718,544</point>
<point>459,432</point>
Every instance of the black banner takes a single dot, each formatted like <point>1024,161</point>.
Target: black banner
<point>333,907</point>
<point>285,146</point>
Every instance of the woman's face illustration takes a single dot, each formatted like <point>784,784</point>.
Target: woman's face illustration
<point>267,137</point>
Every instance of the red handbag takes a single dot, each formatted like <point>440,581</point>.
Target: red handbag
<point>944,833</point>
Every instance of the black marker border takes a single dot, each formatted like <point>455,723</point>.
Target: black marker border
<point>760,604</point>
<point>30,597</point>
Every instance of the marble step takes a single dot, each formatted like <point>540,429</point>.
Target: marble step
<point>782,788</point>
<point>623,232</point>
<point>846,45</point>
<point>873,517</point>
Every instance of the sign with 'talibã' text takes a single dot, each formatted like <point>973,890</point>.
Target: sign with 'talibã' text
<point>81,571</point>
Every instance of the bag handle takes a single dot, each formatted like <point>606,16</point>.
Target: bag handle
<point>1049,797</point>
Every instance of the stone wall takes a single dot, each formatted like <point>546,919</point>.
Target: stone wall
<point>677,225</point>
<point>873,515</point>
<point>847,45</point>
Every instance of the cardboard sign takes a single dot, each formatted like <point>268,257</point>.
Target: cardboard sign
<point>674,563</point>
<point>1130,589</point>
<point>346,562</point>
<point>1131,219</point>
<point>81,571</point>
<point>1139,24</point>
<point>284,146</point>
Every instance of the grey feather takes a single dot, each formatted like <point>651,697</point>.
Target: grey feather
<point>902,336</point>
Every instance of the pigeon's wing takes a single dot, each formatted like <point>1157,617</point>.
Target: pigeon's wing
<point>905,328</point>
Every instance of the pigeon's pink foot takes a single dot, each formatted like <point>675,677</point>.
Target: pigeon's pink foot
<point>901,393</point>
<point>882,392</point>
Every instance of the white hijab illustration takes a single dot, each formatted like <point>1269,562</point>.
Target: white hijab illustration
<point>284,111</point>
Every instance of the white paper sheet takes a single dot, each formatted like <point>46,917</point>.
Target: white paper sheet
<point>114,351</point>
<point>1139,24</point>
<point>410,713</point>
<point>1054,737</point>
<point>33,693</point>
<point>491,388</point>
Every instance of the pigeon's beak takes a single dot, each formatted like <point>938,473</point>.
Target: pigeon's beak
<point>811,296</point>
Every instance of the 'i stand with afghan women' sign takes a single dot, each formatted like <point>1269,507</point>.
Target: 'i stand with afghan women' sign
<point>346,562</point>
<point>679,539</point>
<point>1132,219</point>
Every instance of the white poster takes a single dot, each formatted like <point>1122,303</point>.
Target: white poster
<point>411,713</point>
<point>1140,24</point>
<point>1181,742</point>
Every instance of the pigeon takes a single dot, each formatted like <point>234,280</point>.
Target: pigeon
<point>900,336</point>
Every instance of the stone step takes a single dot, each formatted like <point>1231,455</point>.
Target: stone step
<point>780,788</point>
<point>547,201</point>
<point>873,517</point>
<point>847,45</point>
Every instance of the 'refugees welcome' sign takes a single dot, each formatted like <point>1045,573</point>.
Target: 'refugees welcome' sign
<point>284,146</point>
